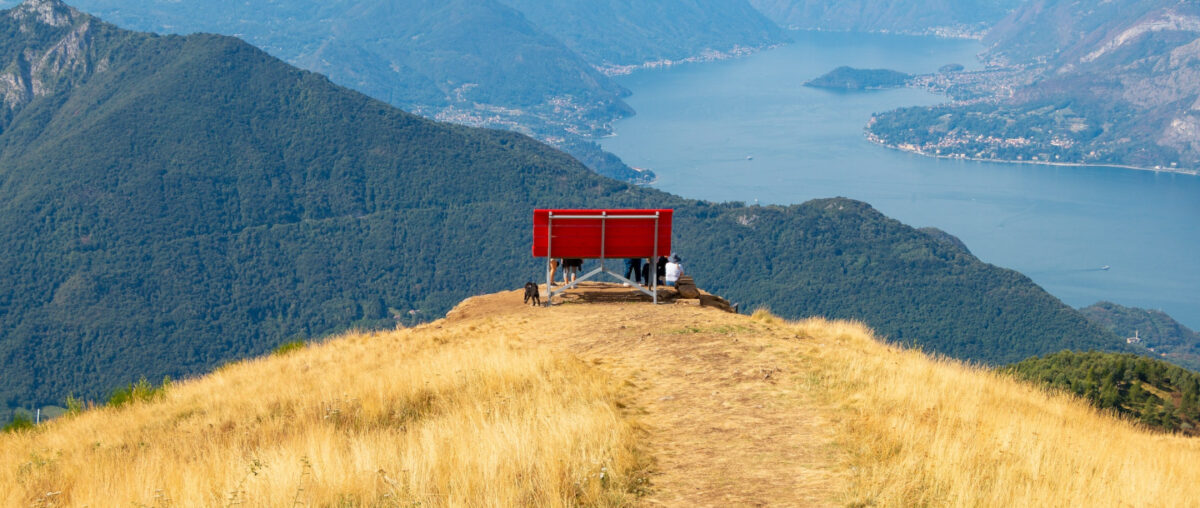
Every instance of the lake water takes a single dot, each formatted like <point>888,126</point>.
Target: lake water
<point>746,130</point>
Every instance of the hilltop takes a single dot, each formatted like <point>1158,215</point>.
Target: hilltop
<point>603,403</point>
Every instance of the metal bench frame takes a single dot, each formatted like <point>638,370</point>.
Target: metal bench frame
<point>604,218</point>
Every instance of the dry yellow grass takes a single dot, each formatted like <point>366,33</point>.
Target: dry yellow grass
<point>432,416</point>
<point>923,431</point>
<point>506,405</point>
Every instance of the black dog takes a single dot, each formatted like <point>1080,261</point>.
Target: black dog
<point>532,293</point>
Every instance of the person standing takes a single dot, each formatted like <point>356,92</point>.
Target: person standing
<point>571,267</point>
<point>633,266</point>
<point>660,271</point>
<point>554,264</point>
<point>647,268</point>
<point>674,270</point>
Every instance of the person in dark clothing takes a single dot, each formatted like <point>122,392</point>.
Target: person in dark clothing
<point>647,266</point>
<point>634,266</point>
<point>571,267</point>
<point>662,270</point>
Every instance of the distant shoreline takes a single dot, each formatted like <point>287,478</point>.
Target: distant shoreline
<point>948,33</point>
<point>1189,172</point>
<point>642,171</point>
<point>705,56</point>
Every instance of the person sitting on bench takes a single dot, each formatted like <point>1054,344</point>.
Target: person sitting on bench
<point>674,270</point>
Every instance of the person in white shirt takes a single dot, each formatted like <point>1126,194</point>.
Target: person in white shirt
<point>674,270</point>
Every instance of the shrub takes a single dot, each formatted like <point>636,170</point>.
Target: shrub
<point>142,391</point>
<point>20,421</point>
<point>288,347</point>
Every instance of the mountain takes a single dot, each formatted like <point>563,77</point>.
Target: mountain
<point>172,203</point>
<point>842,259</point>
<point>1114,83</point>
<point>438,58</point>
<point>1152,392</point>
<point>454,61</point>
<point>621,35</point>
<point>611,403</point>
<point>1066,33</point>
<point>948,18</point>
<point>476,62</point>
<point>1159,333</point>
<point>161,193</point>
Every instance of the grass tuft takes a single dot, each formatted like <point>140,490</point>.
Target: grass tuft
<point>289,347</point>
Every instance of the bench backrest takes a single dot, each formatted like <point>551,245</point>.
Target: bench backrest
<point>566,233</point>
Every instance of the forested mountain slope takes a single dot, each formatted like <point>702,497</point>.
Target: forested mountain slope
<point>421,55</point>
<point>619,34</point>
<point>1160,333</point>
<point>473,62</point>
<point>170,203</point>
<point>955,18</point>
<point>1153,392</point>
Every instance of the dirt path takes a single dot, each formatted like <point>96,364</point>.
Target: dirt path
<point>718,393</point>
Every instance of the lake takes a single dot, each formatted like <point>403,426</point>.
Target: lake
<point>746,130</point>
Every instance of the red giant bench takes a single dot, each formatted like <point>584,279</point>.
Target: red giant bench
<point>601,234</point>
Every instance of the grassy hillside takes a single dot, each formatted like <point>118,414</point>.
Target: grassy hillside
<point>929,431</point>
<point>600,404</point>
<point>394,419</point>
<point>168,204</point>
